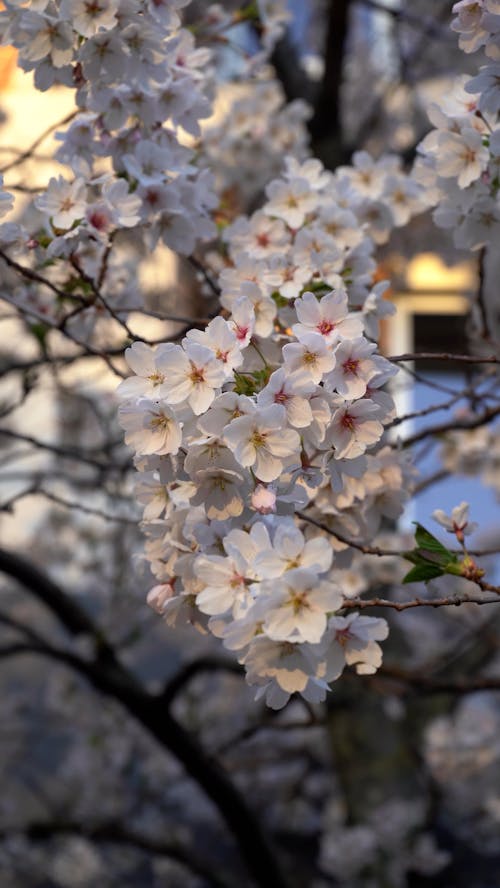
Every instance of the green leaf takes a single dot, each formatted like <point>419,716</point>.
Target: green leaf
<point>423,572</point>
<point>244,385</point>
<point>261,377</point>
<point>413,556</point>
<point>426,540</point>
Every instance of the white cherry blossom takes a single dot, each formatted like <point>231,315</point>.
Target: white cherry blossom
<point>353,429</point>
<point>150,427</point>
<point>262,441</point>
<point>458,523</point>
<point>354,368</point>
<point>290,201</point>
<point>311,354</point>
<point>328,316</point>
<point>64,202</point>
<point>298,606</point>
<point>292,391</point>
<point>192,374</point>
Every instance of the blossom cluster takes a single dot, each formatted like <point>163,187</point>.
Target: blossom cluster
<point>257,131</point>
<point>139,81</point>
<point>460,158</point>
<point>131,157</point>
<point>276,407</point>
<point>142,86</point>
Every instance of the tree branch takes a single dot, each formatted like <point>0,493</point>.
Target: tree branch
<point>326,124</point>
<point>444,356</point>
<point>448,601</point>
<point>25,155</point>
<point>110,677</point>
<point>195,667</point>
<point>453,425</point>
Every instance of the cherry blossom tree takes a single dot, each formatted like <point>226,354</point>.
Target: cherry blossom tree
<point>248,452</point>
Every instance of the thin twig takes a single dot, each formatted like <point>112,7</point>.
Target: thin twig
<point>195,667</point>
<point>376,550</point>
<point>422,485</point>
<point>31,275</point>
<point>198,266</point>
<point>446,601</point>
<point>416,414</point>
<point>67,453</point>
<point>444,356</point>
<point>480,295</point>
<point>457,424</point>
<point>365,549</point>
<point>25,155</point>
<point>36,490</point>
<point>28,312</point>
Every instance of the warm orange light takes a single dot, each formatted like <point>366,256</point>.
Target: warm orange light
<point>428,272</point>
<point>8,59</point>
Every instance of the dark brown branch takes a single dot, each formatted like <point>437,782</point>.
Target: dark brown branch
<point>422,485</point>
<point>376,550</point>
<point>326,124</point>
<point>480,296</point>
<point>200,268</point>
<point>26,155</point>
<point>294,80</point>
<point>74,619</point>
<point>34,276</point>
<point>453,425</point>
<point>109,308</point>
<point>430,383</point>
<point>365,549</point>
<point>31,312</point>
<point>66,452</point>
<point>195,667</point>
<point>448,601</point>
<point>37,490</point>
<point>444,356</point>
<point>110,677</point>
<point>434,408</point>
<point>64,360</point>
<point>16,626</point>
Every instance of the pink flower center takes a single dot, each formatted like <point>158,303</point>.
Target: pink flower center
<point>281,397</point>
<point>98,220</point>
<point>236,581</point>
<point>241,332</point>
<point>343,636</point>
<point>325,327</point>
<point>258,439</point>
<point>197,374</point>
<point>351,366</point>
<point>347,422</point>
